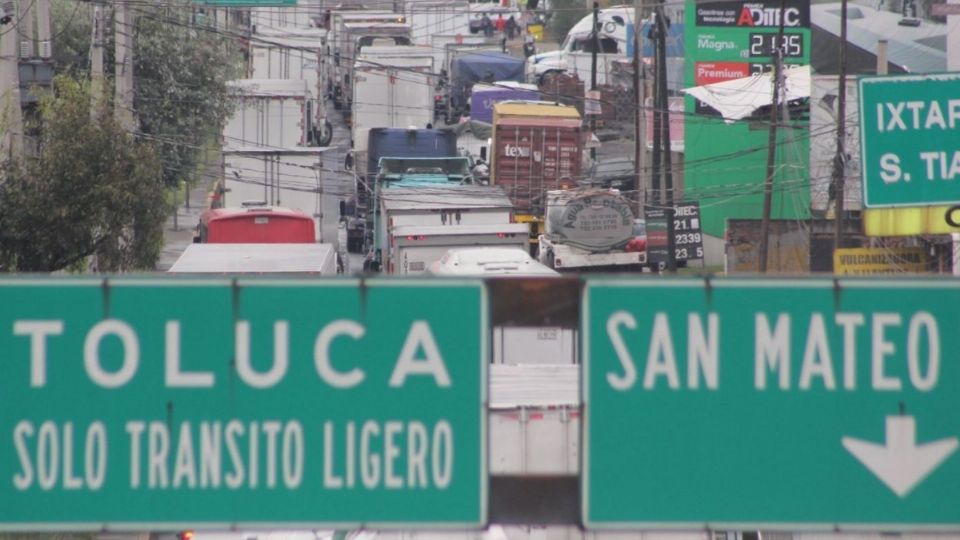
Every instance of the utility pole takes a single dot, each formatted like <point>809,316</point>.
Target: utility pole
<point>771,162</point>
<point>663,108</point>
<point>44,45</point>
<point>26,28</point>
<point>639,112</point>
<point>123,75</point>
<point>96,60</point>
<point>839,161</point>
<point>11,116</point>
<point>655,193</point>
<point>593,73</point>
<point>777,55</point>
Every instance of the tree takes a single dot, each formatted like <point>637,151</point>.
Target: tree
<point>92,191</point>
<point>180,73</point>
<point>566,13</point>
<point>181,95</point>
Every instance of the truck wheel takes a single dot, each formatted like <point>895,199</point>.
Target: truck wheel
<point>326,134</point>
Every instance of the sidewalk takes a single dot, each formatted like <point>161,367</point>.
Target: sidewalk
<point>180,226</point>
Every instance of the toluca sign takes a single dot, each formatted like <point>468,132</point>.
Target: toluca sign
<point>210,404</point>
<point>840,396</point>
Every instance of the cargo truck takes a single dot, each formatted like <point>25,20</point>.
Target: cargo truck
<point>270,113</point>
<point>590,230</point>
<point>397,174</point>
<point>356,39</point>
<point>416,226</point>
<point>429,18</point>
<point>536,147</point>
<point>296,57</point>
<point>393,87</point>
<point>388,142</point>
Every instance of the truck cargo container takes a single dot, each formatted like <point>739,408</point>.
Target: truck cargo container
<point>246,259</point>
<point>281,17</point>
<point>289,178</point>
<point>270,113</point>
<point>412,249</point>
<point>394,88</point>
<point>296,58</point>
<point>441,42</point>
<point>356,38</point>
<point>536,147</point>
<point>255,225</point>
<point>431,18</point>
<point>429,191</point>
<point>485,96</point>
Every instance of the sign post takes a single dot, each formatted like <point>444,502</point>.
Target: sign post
<point>910,136</point>
<point>771,404</point>
<point>161,405</point>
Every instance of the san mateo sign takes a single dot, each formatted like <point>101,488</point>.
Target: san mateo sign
<point>167,404</point>
<point>771,404</point>
<point>910,136</point>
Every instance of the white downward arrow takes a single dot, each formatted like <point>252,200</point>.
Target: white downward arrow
<point>900,463</point>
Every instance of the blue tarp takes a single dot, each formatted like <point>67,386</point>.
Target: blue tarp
<point>481,67</point>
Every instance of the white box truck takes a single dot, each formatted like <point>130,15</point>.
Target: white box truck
<point>412,249</point>
<point>431,18</point>
<point>270,113</point>
<point>393,88</point>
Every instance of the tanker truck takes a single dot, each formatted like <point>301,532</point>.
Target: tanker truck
<point>591,230</point>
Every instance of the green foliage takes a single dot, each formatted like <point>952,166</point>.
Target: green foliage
<point>72,22</point>
<point>180,74</point>
<point>92,191</point>
<point>181,95</point>
<point>566,13</point>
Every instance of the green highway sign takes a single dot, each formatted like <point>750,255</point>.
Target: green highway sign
<point>771,404</point>
<point>173,404</point>
<point>910,139</point>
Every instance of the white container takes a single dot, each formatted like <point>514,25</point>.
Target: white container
<point>270,113</point>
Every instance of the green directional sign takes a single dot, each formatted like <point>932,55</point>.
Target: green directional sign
<point>771,404</point>
<point>910,140</point>
<point>159,405</point>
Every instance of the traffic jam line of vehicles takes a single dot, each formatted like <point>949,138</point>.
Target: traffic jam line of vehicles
<point>508,171</point>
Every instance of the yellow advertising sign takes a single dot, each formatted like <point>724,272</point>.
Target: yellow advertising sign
<point>869,261</point>
<point>907,221</point>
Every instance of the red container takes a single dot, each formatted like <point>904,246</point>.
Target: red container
<point>536,148</point>
<point>256,226</point>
